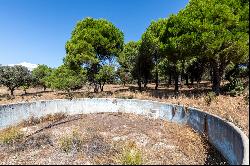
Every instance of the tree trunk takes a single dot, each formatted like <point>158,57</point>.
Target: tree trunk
<point>176,86</point>
<point>96,87</point>
<point>139,84</point>
<point>176,79</point>
<point>170,79</point>
<point>95,71</point>
<point>192,80</point>
<point>145,84</point>
<point>186,79</point>
<point>12,91</point>
<point>156,80</point>
<point>101,86</point>
<point>216,83</point>
<point>218,71</point>
<point>211,75</point>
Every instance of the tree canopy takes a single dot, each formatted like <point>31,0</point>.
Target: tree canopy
<point>63,78</point>
<point>92,43</point>
<point>14,76</point>
<point>41,73</point>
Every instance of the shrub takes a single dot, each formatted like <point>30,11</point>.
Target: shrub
<point>125,96</point>
<point>63,78</point>
<point>131,155</point>
<point>11,135</point>
<point>234,87</point>
<point>72,142</point>
<point>65,144</point>
<point>211,96</point>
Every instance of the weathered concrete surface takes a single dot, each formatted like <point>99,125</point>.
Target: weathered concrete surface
<point>225,136</point>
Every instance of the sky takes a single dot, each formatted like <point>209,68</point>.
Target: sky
<point>36,31</point>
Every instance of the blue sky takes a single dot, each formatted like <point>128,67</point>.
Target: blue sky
<point>36,31</point>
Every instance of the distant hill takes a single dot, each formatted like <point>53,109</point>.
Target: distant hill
<point>30,66</point>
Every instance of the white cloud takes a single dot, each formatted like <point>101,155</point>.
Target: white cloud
<point>30,66</point>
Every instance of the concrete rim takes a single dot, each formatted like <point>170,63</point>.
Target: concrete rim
<point>183,115</point>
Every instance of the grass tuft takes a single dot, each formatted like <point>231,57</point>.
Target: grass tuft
<point>71,142</point>
<point>131,155</point>
<point>11,135</point>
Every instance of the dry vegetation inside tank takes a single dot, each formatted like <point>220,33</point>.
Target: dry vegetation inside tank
<point>104,138</point>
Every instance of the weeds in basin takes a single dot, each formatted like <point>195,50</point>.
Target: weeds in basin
<point>72,142</point>
<point>131,155</point>
<point>65,144</point>
<point>53,117</point>
<point>211,96</point>
<point>48,118</point>
<point>30,122</point>
<point>11,135</point>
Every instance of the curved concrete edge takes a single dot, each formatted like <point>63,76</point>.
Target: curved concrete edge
<point>225,136</point>
<point>231,142</point>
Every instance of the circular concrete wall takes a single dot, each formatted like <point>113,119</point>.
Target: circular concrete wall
<point>225,136</point>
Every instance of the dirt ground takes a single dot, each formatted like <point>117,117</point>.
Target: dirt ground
<point>101,138</point>
<point>233,109</point>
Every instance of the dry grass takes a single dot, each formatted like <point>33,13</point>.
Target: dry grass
<point>111,138</point>
<point>11,135</point>
<point>71,142</point>
<point>48,118</point>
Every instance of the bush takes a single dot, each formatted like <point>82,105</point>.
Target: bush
<point>125,96</point>
<point>65,144</point>
<point>234,87</point>
<point>72,142</point>
<point>131,155</point>
<point>11,135</point>
<point>66,79</point>
<point>211,96</point>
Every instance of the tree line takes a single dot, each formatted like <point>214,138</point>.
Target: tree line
<point>206,37</point>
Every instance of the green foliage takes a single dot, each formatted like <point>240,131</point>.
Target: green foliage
<point>66,79</point>
<point>15,76</point>
<point>131,156</point>
<point>41,73</point>
<point>221,29</point>
<point>211,96</point>
<point>234,87</point>
<point>127,60</point>
<point>93,41</point>
<point>236,71</point>
<point>11,135</point>
<point>105,74</point>
<point>66,144</point>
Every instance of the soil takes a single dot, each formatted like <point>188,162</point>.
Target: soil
<point>103,138</point>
